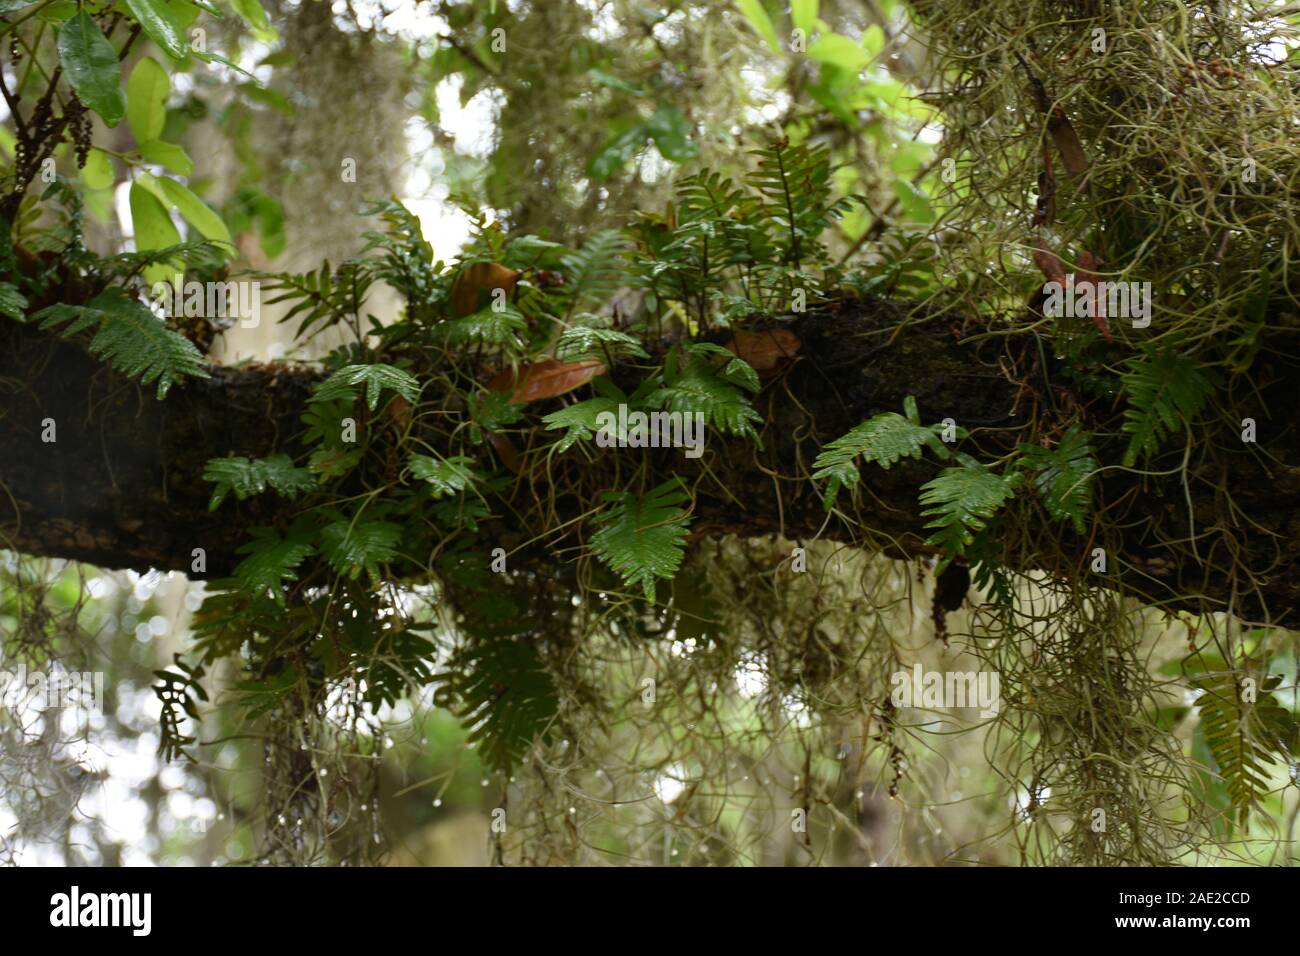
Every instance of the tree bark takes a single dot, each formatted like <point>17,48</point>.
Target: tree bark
<point>121,486</point>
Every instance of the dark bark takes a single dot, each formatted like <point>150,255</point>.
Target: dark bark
<point>121,485</point>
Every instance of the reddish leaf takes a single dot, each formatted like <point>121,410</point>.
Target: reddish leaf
<point>474,285</point>
<point>545,379</point>
<point>768,351</point>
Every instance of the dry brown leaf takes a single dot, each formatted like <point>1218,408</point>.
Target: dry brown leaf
<point>768,351</point>
<point>545,379</point>
<point>475,284</point>
<point>1049,263</point>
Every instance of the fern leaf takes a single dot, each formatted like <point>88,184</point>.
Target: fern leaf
<point>643,539</point>
<point>247,477</point>
<point>485,327</point>
<point>962,500</point>
<point>582,342</point>
<point>12,302</point>
<point>447,476</point>
<point>1165,392</point>
<point>343,384</point>
<point>580,420</point>
<point>884,439</point>
<point>130,338</point>
<point>1064,477</point>
<point>1243,736</point>
<point>271,561</point>
<point>498,687</point>
<point>595,272</point>
<point>698,389</point>
<point>355,546</point>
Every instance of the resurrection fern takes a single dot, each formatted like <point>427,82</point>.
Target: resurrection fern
<point>585,341</point>
<point>12,302</point>
<point>448,476</point>
<point>271,561</point>
<point>354,545</point>
<point>595,272</point>
<point>490,326</point>
<point>1165,392</point>
<point>643,539</point>
<point>962,501</point>
<point>1063,477</point>
<point>498,687</point>
<point>344,383</point>
<point>698,388</point>
<point>247,477</point>
<point>130,338</point>
<point>885,439</point>
<point>580,420</point>
<point>1244,737</point>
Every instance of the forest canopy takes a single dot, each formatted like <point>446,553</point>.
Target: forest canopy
<point>627,433</point>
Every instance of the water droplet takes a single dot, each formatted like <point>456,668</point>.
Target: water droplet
<point>437,801</point>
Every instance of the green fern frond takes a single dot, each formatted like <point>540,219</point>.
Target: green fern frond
<point>1166,392</point>
<point>697,388</point>
<point>499,688</point>
<point>446,476</point>
<point>490,326</point>
<point>595,272</point>
<point>591,342</point>
<point>580,420</point>
<point>247,477</point>
<point>1064,477</point>
<point>130,338</point>
<point>962,500</point>
<point>271,561</point>
<point>355,546</point>
<point>1244,737</point>
<point>12,302</point>
<point>885,439</point>
<point>643,539</point>
<point>343,384</point>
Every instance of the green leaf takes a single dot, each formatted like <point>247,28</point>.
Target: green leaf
<point>130,338</point>
<point>584,341</point>
<point>914,202</point>
<point>1166,391</point>
<point>146,100</point>
<point>12,302</point>
<point>839,51</point>
<point>271,561</point>
<point>255,16</point>
<point>247,477</point>
<point>355,546</point>
<point>671,132</point>
<point>343,384</point>
<point>98,173</point>
<point>804,14</point>
<point>196,212</point>
<point>168,155</point>
<point>961,502</point>
<point>580,420</point>
<point>1064,477</point>
<point>884,439</point>
<point>90,63</point>
<point>159,28</point>
<point>643,539</point>
<point>756,14</point>
<point>617,151</point>
<point>446,476</point>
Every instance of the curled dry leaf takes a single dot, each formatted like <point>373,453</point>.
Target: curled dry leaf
<point>475,284</point>
<point>545,379</point>
<point>768,351</point>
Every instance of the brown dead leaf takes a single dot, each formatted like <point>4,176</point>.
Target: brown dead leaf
<point>475,284</point>
<point>1049,263</point>
<point>507,451</point>
<point>767,351</point>
<point>545,379</point>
